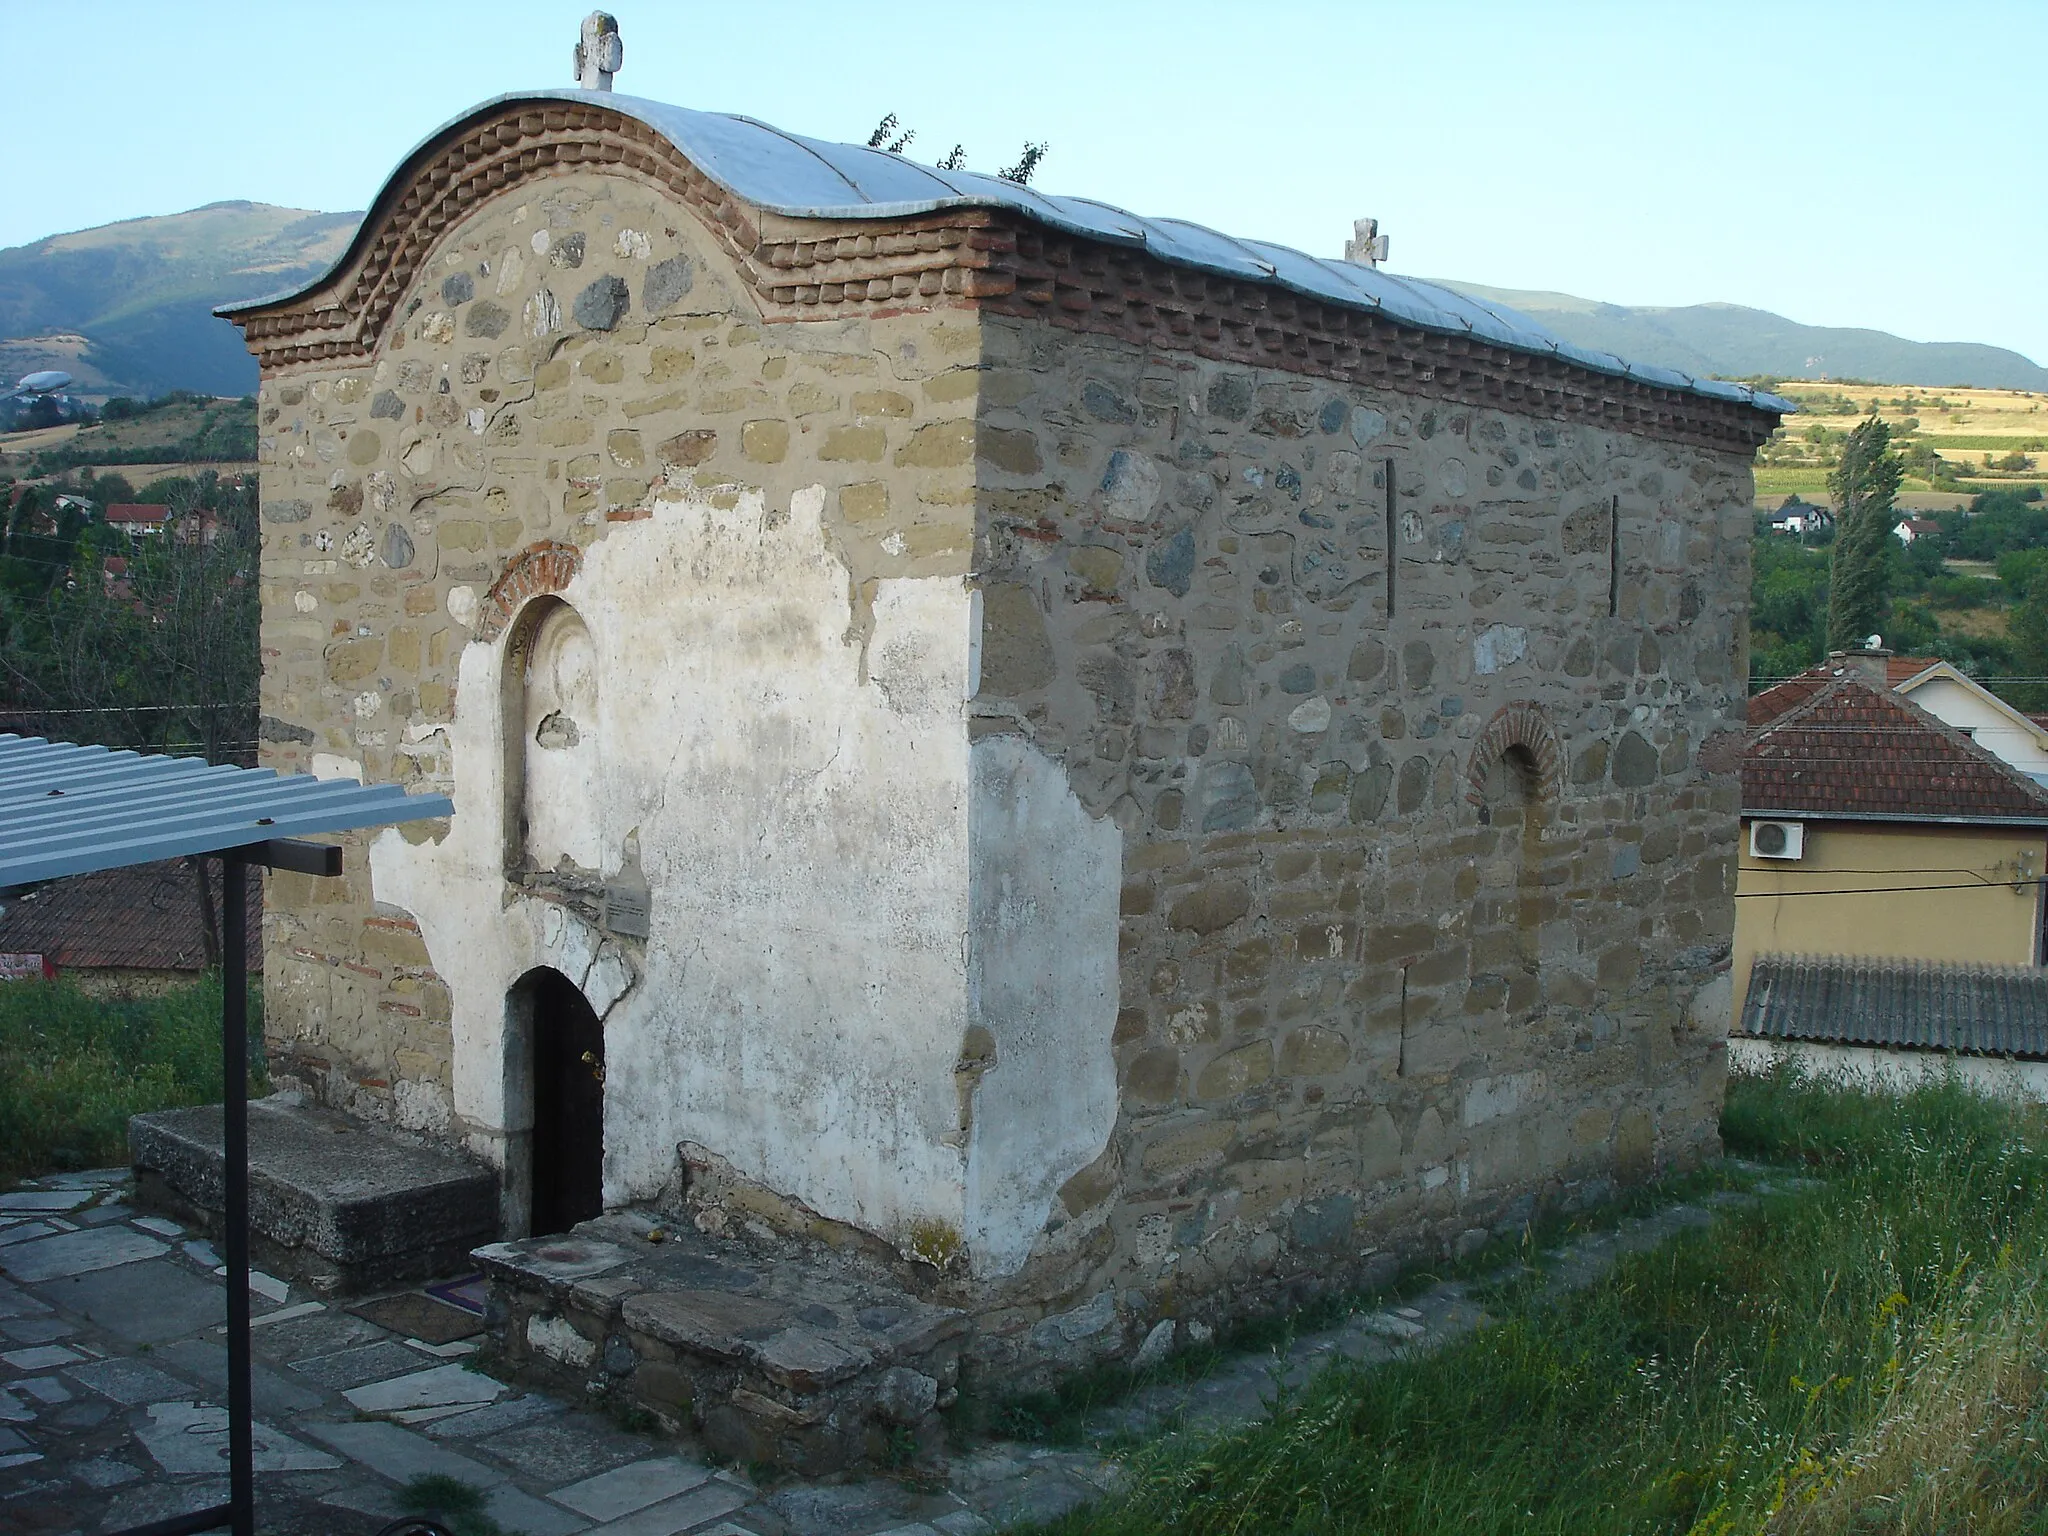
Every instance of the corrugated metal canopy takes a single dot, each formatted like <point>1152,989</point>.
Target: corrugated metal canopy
<point>802,177</point>
<point>67,809</point>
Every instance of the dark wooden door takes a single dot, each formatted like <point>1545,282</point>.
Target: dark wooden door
<point>568,1106</point>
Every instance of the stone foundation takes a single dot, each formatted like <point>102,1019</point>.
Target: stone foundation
<point>801,1362</point>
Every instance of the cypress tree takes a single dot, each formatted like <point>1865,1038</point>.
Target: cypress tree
<point>1865,484</point>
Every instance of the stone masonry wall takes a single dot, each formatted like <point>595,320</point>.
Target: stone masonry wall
<point>1426,913</point>
<point>1425,883</point>
<point>767,531</point>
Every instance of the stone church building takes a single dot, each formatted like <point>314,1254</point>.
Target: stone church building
<point>1098,757</point>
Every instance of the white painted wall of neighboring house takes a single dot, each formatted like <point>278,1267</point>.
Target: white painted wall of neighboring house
<point>1994,726</point>
<point>1894,1071</point>
<point>804,815</point>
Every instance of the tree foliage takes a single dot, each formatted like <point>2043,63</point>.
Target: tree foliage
<point>146,642</point>
<point>1865,483</point>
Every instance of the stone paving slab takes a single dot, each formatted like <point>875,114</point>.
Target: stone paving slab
<point>348,1368</point>
<point>44,1200</point>
<point>128,1382</point>
<point>76,1253</point>
<point>192,1437</point>
<point>35,1330</point>
<point>672,1516</point>
<point>206,1362</point>
<point>142,1303</point>
<point>626,1489</point>
<point>440,1386</point>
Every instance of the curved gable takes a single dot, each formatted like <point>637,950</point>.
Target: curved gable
<point>496,148</point>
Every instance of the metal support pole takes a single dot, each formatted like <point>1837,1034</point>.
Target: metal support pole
<point>234,1024</point>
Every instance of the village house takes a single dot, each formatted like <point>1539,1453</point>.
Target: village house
<point>1890,918</point>
<point>1798,518</point>
<point>1119,769</point>
<point>1872,829</point>
<point>137,517</point>
<point>1956,699</point>
<point>130,932</point>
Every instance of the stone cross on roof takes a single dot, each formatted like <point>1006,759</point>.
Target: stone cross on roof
<point>599,53</point>
<point>1367,247</point>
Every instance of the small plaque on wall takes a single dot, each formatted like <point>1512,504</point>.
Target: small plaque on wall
<point>627,909</point>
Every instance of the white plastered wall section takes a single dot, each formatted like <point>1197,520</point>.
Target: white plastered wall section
<point>1045,889</point>
<point>803,815</point>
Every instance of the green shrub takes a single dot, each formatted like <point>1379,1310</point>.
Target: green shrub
<point>73,1068</point>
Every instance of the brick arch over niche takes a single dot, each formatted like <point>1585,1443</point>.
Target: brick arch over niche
<point>537,569</point>
<point>1517,724</point>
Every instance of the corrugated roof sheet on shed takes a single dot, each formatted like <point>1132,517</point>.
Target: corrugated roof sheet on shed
<point>1918,1005</point>
<point>1827,743</point>
<point>799,177</point>
<point>67,809</point>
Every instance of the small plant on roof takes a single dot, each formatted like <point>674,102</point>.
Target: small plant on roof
<point>1027,162</point>
<point>885,137</point>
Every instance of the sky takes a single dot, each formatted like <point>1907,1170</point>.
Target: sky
<point>1872,163</point>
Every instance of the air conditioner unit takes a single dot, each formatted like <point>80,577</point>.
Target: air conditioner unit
<point>1777,839</point>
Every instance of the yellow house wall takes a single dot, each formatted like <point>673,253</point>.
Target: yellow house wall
<point>1898,917</point>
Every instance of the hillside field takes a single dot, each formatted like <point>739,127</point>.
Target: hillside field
<point>1956,442</point>
<point>180,430</point>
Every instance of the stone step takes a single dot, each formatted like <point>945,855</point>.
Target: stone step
<point>799,1362</point>
<point>337,1203</point>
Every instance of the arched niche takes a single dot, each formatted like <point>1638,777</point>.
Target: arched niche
<point>553,755</point>
<point>1513,782</point>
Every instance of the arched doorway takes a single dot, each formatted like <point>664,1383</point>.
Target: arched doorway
<point>559,1041</point>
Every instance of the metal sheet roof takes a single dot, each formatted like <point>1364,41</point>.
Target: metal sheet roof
<point>67,809</point>
<point>1918,1005</point>
<point>801,177</point>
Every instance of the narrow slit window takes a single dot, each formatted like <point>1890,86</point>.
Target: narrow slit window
<point>1614,558</point>
<point>1390,538</point>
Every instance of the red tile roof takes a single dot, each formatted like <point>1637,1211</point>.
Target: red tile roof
<point>137,512</point>
<point>144,917</point>
<point>1828,743</point>
<point>1897,669</point>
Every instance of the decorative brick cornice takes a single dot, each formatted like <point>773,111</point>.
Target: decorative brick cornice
<point>536,570</point>
<point>992,259</point>
<point>444,181</point>
<point>1517,723</point>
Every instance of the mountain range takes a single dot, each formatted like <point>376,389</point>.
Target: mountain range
<point>1733,342</point>
<point>127,309</point>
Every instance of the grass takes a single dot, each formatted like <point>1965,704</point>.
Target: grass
<point>1807,480</point>
<point>73,1068</point>
<point>1866,1357</point>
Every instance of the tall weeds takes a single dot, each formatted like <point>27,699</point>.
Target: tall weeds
<point>73,1068</point>
<point>1865,1356</point>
